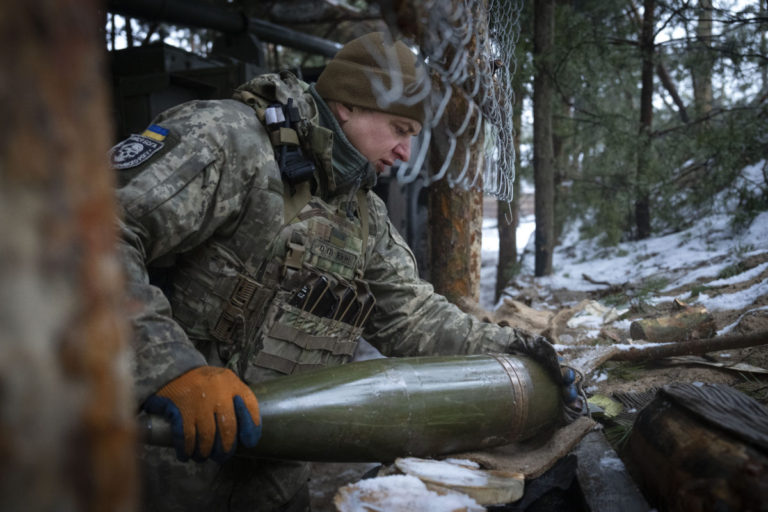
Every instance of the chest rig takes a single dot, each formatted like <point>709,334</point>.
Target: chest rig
<point>283,292</point>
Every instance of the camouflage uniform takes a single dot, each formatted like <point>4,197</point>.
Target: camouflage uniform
<point>208,201</point>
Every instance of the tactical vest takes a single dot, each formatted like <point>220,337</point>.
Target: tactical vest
<point>283,291</point>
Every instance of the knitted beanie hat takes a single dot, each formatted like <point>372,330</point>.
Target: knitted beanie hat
<point>348,77</point>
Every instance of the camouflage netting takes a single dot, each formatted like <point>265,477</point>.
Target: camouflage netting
<point>468,48</point>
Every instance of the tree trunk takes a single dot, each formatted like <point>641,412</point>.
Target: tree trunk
<point>507,265</point>
<point>661,71</point>
<point>112,32</point>
<point>455,238</point>
<point>764,47</point>
<point>669,85</point>
<point>456,215</point>
<point>544,29</point>
<point>66,414</point>
<point>702,71</point>
<point>563,171</point>
<point>128,32</point>
<point>642,197</point>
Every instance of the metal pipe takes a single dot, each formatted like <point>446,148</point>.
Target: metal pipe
<point>195,14</point>
<point>181,12</point>
<point>276,34</point>
<point>382,409</point>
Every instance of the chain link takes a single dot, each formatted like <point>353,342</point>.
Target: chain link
<point>468,48</point>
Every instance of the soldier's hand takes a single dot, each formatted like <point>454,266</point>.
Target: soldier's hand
<point>573,396</point>
<point>210,411</point>
<point>539,349</point>
<point>543,352</point>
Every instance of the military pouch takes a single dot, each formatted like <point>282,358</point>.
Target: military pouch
<point>294,340</point>
<point>309,294</point>
<point>362,307</point>
<point>332,296</point>
<point>348,300</point>
<point>214,301</point>
<point>248,296</point>
<point>282,121</point>
<point>326,304</point>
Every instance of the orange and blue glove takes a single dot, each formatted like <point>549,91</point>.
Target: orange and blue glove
<point>211,411</point>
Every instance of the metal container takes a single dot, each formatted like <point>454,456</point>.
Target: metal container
<point>382,409</point>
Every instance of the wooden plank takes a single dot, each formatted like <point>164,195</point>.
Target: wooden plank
<point>604,479</point>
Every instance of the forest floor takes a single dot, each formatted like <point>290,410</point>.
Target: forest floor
<point>568,318</point>
<point>595,296</point>
<point>725,366</point>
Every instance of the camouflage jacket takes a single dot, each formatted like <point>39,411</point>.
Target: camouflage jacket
<point>201,193</point>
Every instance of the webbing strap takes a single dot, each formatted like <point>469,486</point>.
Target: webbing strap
<point>362,207</point>
<point>309,342</point>
<point>293,203</point>
<point>252,100</point>
<point>294,256</point>
<point>281,364</point>
<point>284,136</point>
<point>235,309</point>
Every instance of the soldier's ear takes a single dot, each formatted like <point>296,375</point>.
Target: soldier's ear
<point>342,112</point>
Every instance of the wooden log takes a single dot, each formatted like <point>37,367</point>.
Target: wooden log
<point>658,351</point>
<point>513,313</point>
<point>702,448</point>
<point>692,322</point>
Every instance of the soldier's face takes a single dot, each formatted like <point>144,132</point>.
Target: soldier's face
<point>380,137</point>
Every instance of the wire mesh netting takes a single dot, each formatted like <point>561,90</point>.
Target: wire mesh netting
<point>467,48</point>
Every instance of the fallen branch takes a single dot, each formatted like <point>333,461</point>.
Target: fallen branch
<point>610,287</point>
<point>692,347</point>
<point>594,281</point>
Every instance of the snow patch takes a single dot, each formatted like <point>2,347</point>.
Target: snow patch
<point>400,493</point>
<point>738,300</point>
<point>701,252</point>
<point>610,461</point>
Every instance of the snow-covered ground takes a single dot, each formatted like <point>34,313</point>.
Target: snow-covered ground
<point>703,251</point>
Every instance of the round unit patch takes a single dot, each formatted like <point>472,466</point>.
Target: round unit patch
<point>133,151</point>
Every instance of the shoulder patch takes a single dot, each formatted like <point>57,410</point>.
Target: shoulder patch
<point>156,132</point>
<point>133,151</point>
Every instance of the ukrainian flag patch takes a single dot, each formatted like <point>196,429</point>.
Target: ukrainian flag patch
<point>156,132</point>
<point>137,149</point>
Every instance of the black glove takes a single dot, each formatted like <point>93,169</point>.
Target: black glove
<point>539,349</point>
<point>574,397</point>
<point>543,352</point>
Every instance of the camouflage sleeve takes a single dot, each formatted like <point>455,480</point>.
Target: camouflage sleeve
<point>186,192</point>
<point>410,318</point>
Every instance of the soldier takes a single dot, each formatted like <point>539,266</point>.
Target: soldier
<point>278,258</point>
